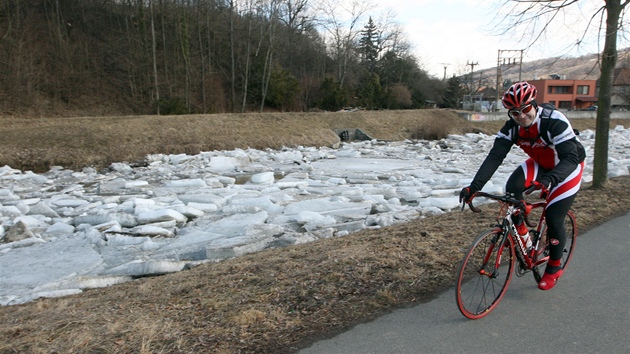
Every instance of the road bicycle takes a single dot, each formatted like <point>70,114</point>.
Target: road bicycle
<point>497,253</point>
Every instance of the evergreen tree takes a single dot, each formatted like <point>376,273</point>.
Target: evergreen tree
<point>370,92</point>
<point>283,89</point>
<point>332,96</point>
<point>369,45</point>
<point>453,94</point>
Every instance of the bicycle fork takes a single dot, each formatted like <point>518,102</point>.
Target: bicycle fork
<point>525,260</point>
<point>498,241</point>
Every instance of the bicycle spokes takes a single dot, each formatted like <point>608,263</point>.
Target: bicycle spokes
<point>484,274</point>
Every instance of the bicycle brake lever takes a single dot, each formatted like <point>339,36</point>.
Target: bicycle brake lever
<point>474,208</point>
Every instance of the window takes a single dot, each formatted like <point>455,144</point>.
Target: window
<point>582,90</point>
<point>565,104</point>
<point>560,89</point>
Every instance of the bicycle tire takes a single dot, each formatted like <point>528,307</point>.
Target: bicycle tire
<point>570,225</point>
<point>480,287</point>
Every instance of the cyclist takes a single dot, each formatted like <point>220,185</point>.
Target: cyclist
<point>554,166</point>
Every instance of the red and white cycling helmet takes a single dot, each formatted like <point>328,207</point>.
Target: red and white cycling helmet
<point>518,95</point>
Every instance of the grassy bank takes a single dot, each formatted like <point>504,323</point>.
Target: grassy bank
<point>36,144</point>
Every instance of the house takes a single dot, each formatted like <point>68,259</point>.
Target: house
<point>483,101</point>
<point>566,94</point>
<point>620,99</point>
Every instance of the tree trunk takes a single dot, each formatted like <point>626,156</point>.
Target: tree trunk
<point>269,57</point>
<point>602,126</point>
<point>247,59</point>
<point>184,40</point>
<point>232,55</point>
<point>202,64</point>
<point>154,54</point>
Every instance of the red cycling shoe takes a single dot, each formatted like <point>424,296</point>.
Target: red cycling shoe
<point>549,280</point>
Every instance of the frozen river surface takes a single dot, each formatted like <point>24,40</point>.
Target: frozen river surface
<point>65,231</point>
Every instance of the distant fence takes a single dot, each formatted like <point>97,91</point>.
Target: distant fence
<point>488,116</point>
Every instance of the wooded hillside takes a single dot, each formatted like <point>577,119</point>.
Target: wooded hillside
<point>104,57</point>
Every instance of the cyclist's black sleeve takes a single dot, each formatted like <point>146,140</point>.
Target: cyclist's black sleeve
<point>567,150</point>
<point>568,160</point>
<point>497,154</point>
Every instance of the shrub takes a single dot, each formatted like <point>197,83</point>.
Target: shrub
<point>432,129</point>
<point>173,106</point>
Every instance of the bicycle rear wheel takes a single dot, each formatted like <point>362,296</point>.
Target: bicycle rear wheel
<point>542,255</point>
<point>484,274</point>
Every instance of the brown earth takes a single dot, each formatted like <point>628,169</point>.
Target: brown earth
<point>278,300</point>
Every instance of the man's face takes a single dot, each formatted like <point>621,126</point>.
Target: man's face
<point>524,116</point>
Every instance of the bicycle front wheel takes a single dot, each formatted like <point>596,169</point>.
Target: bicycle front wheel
<point>485,273</point>
<point>542,255</point>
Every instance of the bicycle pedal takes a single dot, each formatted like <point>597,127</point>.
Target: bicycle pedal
<point>520,271</point>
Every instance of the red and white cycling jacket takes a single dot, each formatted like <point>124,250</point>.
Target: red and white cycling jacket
<point>551,144</point>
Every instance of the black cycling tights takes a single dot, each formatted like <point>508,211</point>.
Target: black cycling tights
<point>555,213</point>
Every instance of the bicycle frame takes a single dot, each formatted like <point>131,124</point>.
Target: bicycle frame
<point>528,260</point>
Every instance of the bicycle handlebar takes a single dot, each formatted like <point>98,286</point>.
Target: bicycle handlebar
<point>502,198</point>
<point>521,204</point>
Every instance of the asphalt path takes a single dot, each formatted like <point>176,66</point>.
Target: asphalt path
<point>588,311</point>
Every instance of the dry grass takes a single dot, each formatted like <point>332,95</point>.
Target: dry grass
<point>277,300</point>
<point>38,143</point>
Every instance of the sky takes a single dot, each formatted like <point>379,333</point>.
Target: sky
<point>456,33</point>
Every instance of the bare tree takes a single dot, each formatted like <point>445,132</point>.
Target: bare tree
<point>154,56</point>
<point>271,8</point>
<point>293,13</point>
<point>342,24</point>
<point>614,9</point>
<point>609,16</point>
<point>250,22</point>
<point>202,59</point>
<point>231,24</point>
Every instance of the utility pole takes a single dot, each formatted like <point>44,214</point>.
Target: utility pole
<point>507,58</point>
<point>472,69</point>
<point>445,66</point>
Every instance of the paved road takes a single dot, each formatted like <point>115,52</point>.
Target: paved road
<point>587,312</point>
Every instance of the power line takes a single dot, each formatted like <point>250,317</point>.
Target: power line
<point>472,69</point>
<point>510,58</point>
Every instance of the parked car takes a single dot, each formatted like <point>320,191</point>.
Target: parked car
<point>590,108</point>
